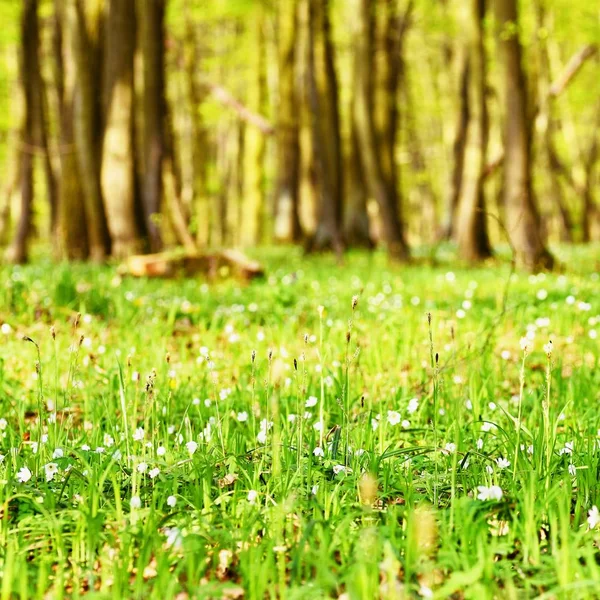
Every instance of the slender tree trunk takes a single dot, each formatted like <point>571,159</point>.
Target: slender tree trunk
<point>589,209</point>
<point>287,222</point>
<point>86,18</point>
<point>72,229</point>
<point>151,19</point>
<point>29,69</point>
<point>472,234</point>
<point>117,174</point>
<point>381,188</point>
<point>325,130</point>
<point>522,217</point>
<point>253,197</point>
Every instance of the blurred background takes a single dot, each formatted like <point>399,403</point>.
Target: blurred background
<point>130,126</point>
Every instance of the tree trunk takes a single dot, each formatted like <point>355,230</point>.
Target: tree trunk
<point>253,197</point>
<point>29,69</point>
<point>522,217</point>
<point>72,230</point>
<point>381,182</point>
<point>589,209</point>
<point>472,234</point>
<point>458,153</point>
<point>287,221</point>
<point>117,170</point>
<point>151,19</point>
<point>325,130</point>
<point>86,18</point>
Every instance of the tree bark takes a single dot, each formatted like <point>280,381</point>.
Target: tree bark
<point>117,171</point>
<point>151,19</point>
<point>253,197</point>
<point>72,230</point>
<point>325,131</point>
<point>29,69</point>
<point>381,179</point>
<point>522,217</point>
<point>86,19</point>
<point>472,235</point>
<point>287,221</point>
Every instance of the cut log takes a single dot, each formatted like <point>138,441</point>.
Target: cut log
<point>221,264</point>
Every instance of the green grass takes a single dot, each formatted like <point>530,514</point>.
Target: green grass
<point>119,506</point>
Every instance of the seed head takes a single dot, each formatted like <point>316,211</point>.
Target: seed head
<point>354,302</point>
<point>53,332</point>
<point>253,356</point>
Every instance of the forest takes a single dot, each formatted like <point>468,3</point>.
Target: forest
<point>131,126</point>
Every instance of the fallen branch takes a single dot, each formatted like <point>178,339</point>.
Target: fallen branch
<point>226,99</point>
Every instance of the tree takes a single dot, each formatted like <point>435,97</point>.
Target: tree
<point>117,170</point>
<point>29,74</point>
<point>472,235</point>
<point>324,103</point>
<point>378,138</point>
<point>522,217</point>
<point>287,221</point>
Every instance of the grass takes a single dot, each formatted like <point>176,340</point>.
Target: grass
<point>272,441</point>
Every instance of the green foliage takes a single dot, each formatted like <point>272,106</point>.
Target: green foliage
<point>250,508</point>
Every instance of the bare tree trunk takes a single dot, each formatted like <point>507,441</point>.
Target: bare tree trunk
<point>523,221</point>
<point>253,197</point>
<point>117,174</point>
<point>472,234</point>
<point>72,230</point>
<point>287,222</point>
<point>381,183</point>
<point>86,18</point>
<point>29,69</point>
<point>325,130</point>
<point>589,209</point>
<point>151,19</point>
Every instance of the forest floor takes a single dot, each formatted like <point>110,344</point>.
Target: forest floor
<point>174,439</point>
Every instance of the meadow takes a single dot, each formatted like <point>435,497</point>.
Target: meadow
<point>359,431</point>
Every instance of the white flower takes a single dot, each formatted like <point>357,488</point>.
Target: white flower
<point>502,462</point>
<point>341,469</point>
<point>425,592</point>
<point>393,417</point>
<point>116,455</point>
<point>3,424</point>
<point>191,447</point>
<point>413,406</point>
<point>525,345</point>
<point>374,424</point>
<point>449,448</point>
<point>6,329</point>
<point>24,475</point>
<point>50,469</point>
<point>505,354</point>
<point>154,472</point>
<point>58,453</point>
<point>312,401</point>
<point>568,449</point>
<point>572,470</point>
<point>85,447</point>
<point>492,406</point>
<point>318,425</point>
<point>486,427</point>
<point>479,444</point>
<point>530,449</point>
<point>405,424</point>
<point>548,348</point>
<point>593,517</point>
<point>252,496</point>
<point>314,490</point>
<point>469,405</point>
<point>138,434</point>
<point>318,451</point>
<point>242,417</point>
<point>2,457</point>
<point>489,469</point>
<point>493,492</point>
<point>261,437</point>
<point>142,467</point>
<point>108,440</point>
<point>174,537</point>
<point>100,450</point>
<point>135,502</point>
<point>171,501</point>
